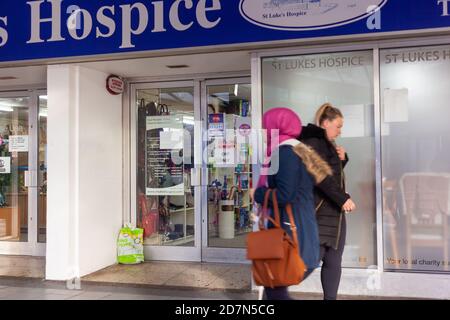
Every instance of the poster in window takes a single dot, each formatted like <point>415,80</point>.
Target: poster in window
<point>18,143</point>
<point>216,125</point>
<point>164,155</point>
<point>5,165</point>
<point>396,105</point>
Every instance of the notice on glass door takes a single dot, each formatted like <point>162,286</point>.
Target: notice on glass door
<point>164,156</point>
<point>5,165</point>
<point>18,143</point>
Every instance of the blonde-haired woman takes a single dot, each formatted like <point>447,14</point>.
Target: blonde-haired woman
<point>331,200</point>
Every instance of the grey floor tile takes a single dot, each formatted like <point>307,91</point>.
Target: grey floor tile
<point>118,296</point>
<point>39,296</point>
<point>91,296</point>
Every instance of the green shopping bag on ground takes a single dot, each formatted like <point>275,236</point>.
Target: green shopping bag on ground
<point>130,245</point>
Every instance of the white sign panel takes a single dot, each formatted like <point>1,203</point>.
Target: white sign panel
<point>18,143</point>
<point>5,165</point>
<point>164,156</point>
<point>354,121</point>
<point>307,14</point>
<point>171,139</point>
<point>396,104</point>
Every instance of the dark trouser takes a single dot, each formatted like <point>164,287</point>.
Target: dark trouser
<point>331,267</point>
<point>281,293</point>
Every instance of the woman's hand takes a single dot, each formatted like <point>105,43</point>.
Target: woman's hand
<point>341,152</point>
<point>349,206</point>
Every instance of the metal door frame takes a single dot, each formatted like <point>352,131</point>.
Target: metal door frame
<point>214,254</point>
<point>32,247</point>
<point>167,253</point>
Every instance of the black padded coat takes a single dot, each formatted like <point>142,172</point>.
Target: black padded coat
<point>330,194</point>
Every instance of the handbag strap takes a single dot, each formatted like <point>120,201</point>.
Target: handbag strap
<point>164,109</point>
<point>264,214</point>
<point>142,104</point>
<point>290,215</point>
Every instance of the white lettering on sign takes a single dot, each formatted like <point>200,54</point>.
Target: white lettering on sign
<point>174,15</point>
<point>201,14</point>
<point>127,30</point>
<point>106,21</point>
<point>444,7</point>
<point>3,31</point>
<point>298,15</point>
<point>87,26</point>
<point>134,17</point>
<point>36,21</point>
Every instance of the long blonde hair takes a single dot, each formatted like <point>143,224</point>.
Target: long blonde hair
<point>327,112</point>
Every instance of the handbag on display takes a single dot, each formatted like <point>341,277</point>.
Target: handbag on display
<point>163,109</point>
<point>275,257</point>
<point>150,218</point>
<point>150,223</point>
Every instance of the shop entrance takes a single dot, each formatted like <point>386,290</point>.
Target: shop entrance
<point>23,167</point>
<point>193,173</point>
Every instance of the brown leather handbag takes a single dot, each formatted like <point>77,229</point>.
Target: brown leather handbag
<point>276,261</point>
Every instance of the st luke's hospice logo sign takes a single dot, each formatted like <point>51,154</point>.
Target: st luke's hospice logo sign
<point>298,15</point>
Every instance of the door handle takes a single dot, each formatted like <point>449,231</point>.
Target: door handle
<point>205,177</point>
<point>199,177</point>
<point>195,177</point>
<point>30,179</point>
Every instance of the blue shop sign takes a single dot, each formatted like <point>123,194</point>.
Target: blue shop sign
<point>43,29</point>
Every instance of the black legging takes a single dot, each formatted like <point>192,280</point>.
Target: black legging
<point>330,274</point>
<point>331,267</point>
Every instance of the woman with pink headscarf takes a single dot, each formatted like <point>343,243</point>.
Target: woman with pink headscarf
<point>294,170</point>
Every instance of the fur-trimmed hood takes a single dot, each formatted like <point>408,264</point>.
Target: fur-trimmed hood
<point>315,165</point>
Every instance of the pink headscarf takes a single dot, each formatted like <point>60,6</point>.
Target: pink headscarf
<point>285,124</point>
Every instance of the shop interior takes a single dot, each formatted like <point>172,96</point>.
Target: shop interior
<point>168,217</point>
<point>168,220</point>
<point>16,85</point>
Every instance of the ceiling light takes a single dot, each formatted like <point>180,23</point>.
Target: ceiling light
<point>188,120</point>
<point>6,108</point>
<point>8,78</point>
<point>177,66</point>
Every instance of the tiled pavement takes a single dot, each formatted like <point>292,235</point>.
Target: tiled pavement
<point>177,274</point>
<point>35,289</point>
<point>21,278</point>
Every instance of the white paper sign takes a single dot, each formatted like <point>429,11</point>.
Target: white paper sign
<point>5,165</point>
<point>171,139</point>
<point>164,174</point>
<point>354,121</point>
<point>18,143</point>
<point>396,105</point>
